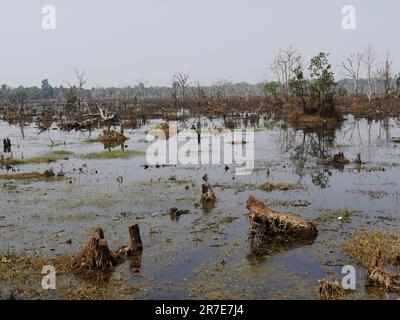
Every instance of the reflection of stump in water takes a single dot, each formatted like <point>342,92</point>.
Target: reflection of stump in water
<point>136,261</point>
<point>208,206</point>
<point>263,247</point>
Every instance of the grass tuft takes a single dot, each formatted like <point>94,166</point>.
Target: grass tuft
<point>113,154</point>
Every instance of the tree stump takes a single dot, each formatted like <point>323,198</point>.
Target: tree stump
<point>207,192</point>
<point>358,159</point>
<point>96,255</point>
<point>136,240</point>
<point>271,222</point>
<point>339,159</point>
<point>6,145</point>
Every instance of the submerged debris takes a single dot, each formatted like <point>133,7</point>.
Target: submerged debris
<point>272,222</point>
<point>175,213</point>
<point>373,194</point>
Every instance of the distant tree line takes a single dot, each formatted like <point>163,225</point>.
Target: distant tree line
<point>312,83</point>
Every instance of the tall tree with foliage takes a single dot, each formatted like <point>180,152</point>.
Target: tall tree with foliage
<point>47,89</point>
<point>299,85</point>
<point>323,85</point>
<point>271,88</point>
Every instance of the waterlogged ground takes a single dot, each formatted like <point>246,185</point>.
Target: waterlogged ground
<point>206,253</point>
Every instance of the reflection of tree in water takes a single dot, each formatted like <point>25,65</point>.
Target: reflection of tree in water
<point>314,145</point>
<point>355,127</point>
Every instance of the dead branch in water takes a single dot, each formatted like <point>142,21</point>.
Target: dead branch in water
<point>272,222</point>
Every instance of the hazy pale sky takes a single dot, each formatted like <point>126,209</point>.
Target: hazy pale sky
<point>121,41</point>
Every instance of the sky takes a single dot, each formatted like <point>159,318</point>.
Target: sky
<point>121,41</point>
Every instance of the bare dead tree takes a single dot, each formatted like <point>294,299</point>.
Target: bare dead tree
<point>198,92</point>
<point>164,93</point>
<point>283,66</point>
<point>379,75</point>
<point>387,73</point>
<point>182,79</point>
<point>174,90</point>
<point>125,95</point>
<point>81,81</point>
<point>77,89</point>
<point>141,87</point>
<point>243,90</point>
<point>369,60</point>
<point>221,89</point>
<point>351,68</point>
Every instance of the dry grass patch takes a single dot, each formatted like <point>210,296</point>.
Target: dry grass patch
<point>273,186</point>
<point>28,175</point>
<point>366,244</point>
<point>377,253</point>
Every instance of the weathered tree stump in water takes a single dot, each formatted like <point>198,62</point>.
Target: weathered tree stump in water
<point>97,256</point>
<point>339,159</point>
<point>272,222</point>
<point>358,159</point>
<point>207,192</point>
<point>136,240</point>
<point>6,145</point>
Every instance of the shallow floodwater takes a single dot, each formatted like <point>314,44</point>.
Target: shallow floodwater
<point>207,253</point>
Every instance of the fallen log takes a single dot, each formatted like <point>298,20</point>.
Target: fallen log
<point>272,222</point>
